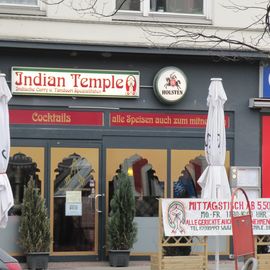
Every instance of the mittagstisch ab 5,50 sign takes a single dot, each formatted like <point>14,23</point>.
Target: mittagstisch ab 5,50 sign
<point>201,217</point>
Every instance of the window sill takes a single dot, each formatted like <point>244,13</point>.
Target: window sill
<point>160,17</point>
<point>21,10</point>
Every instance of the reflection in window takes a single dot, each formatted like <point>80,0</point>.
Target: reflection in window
<point>187,184</point>
<point>132,5</point>
<point>146,185</point>
<point>171,6</point>
<point>21,169</point>
<point>75,232</point>
<point>186,187</point>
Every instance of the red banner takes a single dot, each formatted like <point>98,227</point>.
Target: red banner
<point>138,119</point>
<point>47,117</point>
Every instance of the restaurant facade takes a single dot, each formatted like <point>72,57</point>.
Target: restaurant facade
<point>79,114</point>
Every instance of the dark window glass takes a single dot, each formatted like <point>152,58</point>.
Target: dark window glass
<point>21,169</point>
<point>133,5</point>
<point>74,229</point>
<point>146,185</point>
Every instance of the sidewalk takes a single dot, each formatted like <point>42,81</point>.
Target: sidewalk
<point>133,265</point>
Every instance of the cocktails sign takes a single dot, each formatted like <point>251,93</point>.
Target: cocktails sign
<point>75,82</point>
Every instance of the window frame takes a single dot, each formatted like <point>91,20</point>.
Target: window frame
<point>14,4</point>
<point>154,16</point>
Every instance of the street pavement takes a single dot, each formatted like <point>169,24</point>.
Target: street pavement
<point>133,265</point>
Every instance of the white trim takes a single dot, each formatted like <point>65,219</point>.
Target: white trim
<point>261,81</point>
<point>207,9</point>
<point>258,103</point>
<point>145,7</point>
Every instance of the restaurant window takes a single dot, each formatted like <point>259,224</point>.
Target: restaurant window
<point>25,163</point>
<point>169,6</point>
<point>147,172</point>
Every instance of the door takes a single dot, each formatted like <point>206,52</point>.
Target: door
<point>68,177</point>
<point>75,198</point>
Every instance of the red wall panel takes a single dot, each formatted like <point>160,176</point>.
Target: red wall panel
<point>266,156</point>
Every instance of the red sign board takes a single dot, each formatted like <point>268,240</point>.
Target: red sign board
<point>140,119</point>
<point>47,117</point>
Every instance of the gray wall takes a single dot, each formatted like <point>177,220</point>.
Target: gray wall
<point>240,80</point>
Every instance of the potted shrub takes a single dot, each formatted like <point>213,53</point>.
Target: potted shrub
<point>122,230</point>
<point>34,228</point>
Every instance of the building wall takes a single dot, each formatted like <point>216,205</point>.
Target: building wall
<point>33,41</point>
<point>62,23</point>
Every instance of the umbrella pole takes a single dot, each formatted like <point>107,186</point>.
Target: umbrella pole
<point>217,253</point>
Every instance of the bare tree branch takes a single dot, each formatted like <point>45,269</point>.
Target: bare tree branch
<point>186,35</point>
<point>90,6</point>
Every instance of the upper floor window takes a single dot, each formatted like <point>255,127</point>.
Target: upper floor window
<point>22,7</point>
<point>164,10</point>
<point>172,6</point>
<point>20,2</point>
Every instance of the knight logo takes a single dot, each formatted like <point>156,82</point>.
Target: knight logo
<point>131,85</point>
<point>173,82</point>
<point>170,84</point>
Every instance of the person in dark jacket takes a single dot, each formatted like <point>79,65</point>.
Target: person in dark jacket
<point>185,187</point>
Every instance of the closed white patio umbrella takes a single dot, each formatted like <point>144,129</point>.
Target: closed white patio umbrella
<point>6,196</point>
<point>214,179</point>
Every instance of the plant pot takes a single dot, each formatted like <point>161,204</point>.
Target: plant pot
<point>37,260</point>
<point>119,258</point>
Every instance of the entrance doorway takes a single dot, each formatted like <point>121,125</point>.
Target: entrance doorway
<point>74,198</point>
<point>68,177</point>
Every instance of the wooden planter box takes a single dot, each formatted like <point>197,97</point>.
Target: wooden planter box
<point>263,261</point>
<point>169,245</point>
<point>263,258</point>
<point>190,262</point>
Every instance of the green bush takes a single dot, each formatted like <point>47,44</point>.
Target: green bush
<point>122,230</point>
<point>34,228</point>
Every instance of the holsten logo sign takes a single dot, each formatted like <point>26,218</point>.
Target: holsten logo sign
<point>73,82</point>
<point>170,84</point>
